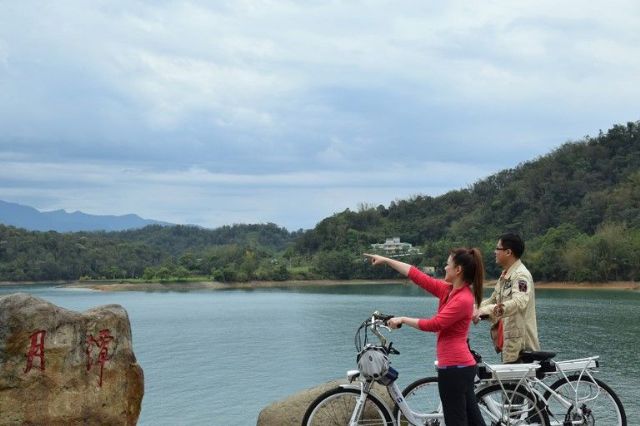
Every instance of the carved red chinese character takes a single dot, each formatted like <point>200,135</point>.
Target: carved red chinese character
<point>102,342</point>
<point>36,350</point>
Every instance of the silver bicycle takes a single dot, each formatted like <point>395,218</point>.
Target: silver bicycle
<point>355,403</point>
<point>573,397</point>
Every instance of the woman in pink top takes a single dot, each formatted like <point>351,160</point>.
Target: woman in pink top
<point>460,291</point>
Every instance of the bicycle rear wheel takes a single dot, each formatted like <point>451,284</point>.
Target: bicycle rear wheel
<point>335,408</point>
<point>422,396</point>
<point>593,402</point>
<point>512,406</point>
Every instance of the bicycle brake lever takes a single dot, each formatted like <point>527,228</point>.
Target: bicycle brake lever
<point>393,350</point>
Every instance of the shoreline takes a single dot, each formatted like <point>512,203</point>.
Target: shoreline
<point>570,285</point>
<point>253,285</point>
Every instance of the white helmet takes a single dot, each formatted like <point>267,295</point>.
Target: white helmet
<point>373,362</point>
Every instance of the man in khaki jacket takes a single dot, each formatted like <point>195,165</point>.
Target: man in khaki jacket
<point>512,301</point>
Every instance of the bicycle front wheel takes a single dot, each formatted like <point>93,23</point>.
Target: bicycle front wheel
<point>592,402</point>
<point>423,397</point>
<point>511,405</point>
<point>336,406</point>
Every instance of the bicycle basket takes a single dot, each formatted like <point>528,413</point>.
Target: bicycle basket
<point>373,362</point>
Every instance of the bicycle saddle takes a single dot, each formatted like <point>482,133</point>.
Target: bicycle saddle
<point>531,356</point>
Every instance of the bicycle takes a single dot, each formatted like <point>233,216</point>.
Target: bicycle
<point>356,404</point>
<point>574,398</point>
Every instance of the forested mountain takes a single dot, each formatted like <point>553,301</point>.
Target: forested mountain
<point>26,217</point>
<point>160,252</point>
<point>578,209</point>
<point>178,239</point>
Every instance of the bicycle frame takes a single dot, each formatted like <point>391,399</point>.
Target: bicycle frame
<point>520,374</point>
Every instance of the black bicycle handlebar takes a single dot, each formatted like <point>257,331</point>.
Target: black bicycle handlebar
<point>385,318</point>
<point>372,324</point>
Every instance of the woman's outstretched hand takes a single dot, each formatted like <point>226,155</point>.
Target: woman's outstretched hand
<point>376,259</point>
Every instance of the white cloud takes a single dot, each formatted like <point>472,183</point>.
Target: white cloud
<point>235,104</point>
<point>214,199</point>
<point>169,89</point>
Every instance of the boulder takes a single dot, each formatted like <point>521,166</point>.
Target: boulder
<point>59,367</point>
<point>290,411</point>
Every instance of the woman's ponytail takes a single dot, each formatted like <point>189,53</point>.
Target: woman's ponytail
<point>472,269</point>
<point>478,278</point>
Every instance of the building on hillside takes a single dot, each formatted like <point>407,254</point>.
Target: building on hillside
<point>393,247</point>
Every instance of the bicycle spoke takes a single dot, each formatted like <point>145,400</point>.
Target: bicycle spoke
<point>336,407</point>
<point>423,398</point>
<point>510,406</point>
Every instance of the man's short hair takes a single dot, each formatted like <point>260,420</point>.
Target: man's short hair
<point>512,242</point>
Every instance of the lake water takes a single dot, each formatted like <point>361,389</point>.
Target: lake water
<point>219,357</point>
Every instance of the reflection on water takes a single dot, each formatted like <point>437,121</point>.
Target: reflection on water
<point>213,357</point>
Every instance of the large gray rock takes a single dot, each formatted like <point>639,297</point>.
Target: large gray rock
<point>290,411</point>
<point>59,367</point>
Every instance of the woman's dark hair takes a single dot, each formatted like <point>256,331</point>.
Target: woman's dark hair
<point>470,260</point>
<point>513,242</point>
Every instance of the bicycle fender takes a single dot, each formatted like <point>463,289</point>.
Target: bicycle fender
<point>349,386</point>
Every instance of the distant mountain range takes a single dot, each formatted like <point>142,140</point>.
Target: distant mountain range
<point>29,218</point>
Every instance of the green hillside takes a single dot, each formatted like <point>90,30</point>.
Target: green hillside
<point>578,209</point>
<point>237,252</point>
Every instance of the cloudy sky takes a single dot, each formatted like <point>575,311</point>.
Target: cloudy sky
<point>252,111</point>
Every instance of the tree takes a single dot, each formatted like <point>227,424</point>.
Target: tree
<point>163,273</point>
<point>335,264</point>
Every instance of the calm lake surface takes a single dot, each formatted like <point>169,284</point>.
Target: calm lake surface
<point>219,357</point>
